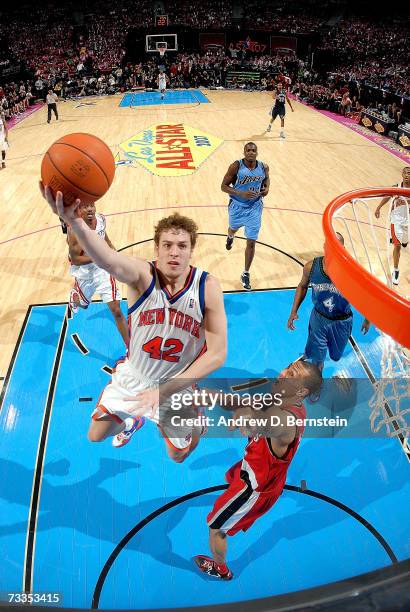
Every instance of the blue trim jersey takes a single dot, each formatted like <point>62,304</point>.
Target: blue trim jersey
<point>325,296</point>
<point>249,180</point>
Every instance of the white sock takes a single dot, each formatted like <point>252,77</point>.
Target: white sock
<point>396,270</point>
<point>129,422</point>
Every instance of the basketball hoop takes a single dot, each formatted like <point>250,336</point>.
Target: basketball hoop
<point>383,306</point>
<point>361,269</point>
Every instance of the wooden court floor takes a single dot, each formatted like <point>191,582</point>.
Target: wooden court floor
<point>318,160</point>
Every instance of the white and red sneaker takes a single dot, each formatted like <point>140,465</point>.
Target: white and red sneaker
<point>131,426</point>
<point>208,566</point>
<point>74,300</point>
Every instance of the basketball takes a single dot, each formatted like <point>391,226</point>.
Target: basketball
<point>80,166</point>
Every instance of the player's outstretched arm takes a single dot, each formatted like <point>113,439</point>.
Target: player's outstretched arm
<point>134,272</point>
<point>289,102</point>
<point>380,206</point>
<point>300,294</point>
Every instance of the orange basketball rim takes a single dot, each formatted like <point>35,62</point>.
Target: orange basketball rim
<point>386,309</point>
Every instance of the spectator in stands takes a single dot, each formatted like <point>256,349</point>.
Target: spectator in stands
<point>363,52</point>
<point>39,85</point>
<point>394,112</point>
<point>356,106</point>
<point>345,104</point>
<point>334,101</point>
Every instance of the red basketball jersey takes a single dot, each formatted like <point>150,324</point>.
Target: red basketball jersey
<point>261,466</point>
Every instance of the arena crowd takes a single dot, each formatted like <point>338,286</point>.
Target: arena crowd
<point>367,62</point>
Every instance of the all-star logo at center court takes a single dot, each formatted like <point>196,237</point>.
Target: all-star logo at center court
<point>171,149</point>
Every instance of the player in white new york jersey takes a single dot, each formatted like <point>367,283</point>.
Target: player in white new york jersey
<point>177,330</point>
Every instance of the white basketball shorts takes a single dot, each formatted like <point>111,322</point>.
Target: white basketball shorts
<point>125,383</point>
<point>91,280</point>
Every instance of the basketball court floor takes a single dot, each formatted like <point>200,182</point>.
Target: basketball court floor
<point>117,528</point>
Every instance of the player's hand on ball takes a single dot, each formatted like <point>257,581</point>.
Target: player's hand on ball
<point>67,213</point>
<point>293,317</point>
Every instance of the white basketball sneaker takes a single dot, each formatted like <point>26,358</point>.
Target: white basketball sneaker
<point>131,426</point>
<point>74,300</point>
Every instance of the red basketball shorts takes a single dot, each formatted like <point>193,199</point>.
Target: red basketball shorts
<point>240,506</point>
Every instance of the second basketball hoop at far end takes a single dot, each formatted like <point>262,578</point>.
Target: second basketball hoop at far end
<point>161,48</point>
<point>155,42</point>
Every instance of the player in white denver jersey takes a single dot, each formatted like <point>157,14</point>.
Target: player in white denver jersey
<point>399,222</point>
<point>165,356</point>
<point>89,278</point>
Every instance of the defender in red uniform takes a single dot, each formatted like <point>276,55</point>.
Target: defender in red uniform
<point>256,482</point>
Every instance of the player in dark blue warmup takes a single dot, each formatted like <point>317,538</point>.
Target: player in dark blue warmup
<point>280,97</point>
<point>331,320</point>
<point>247,182</point>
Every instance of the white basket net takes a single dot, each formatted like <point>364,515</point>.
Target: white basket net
<point>161,48</point>
<point>390,404</point>
<point>367,239</point>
